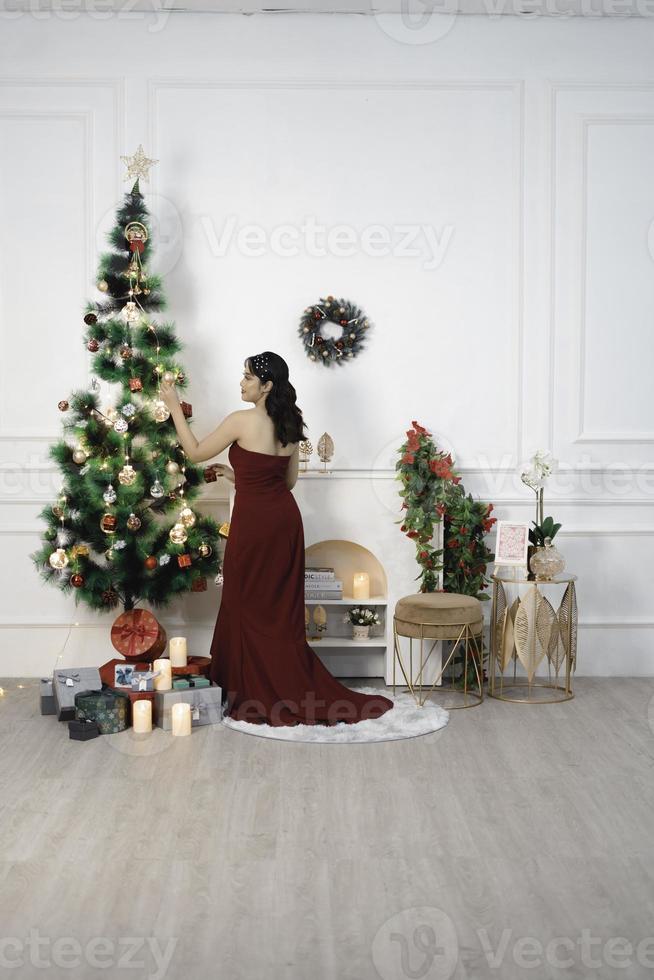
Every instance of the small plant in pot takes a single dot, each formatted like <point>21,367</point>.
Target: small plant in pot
<point>361,619</point>
<point>545,561</point>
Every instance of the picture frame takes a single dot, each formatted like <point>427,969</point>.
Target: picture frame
<point>511,543</point>
<point>123,675</point>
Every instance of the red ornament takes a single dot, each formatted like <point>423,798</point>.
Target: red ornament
<point>135,384</point>
<point>187,410</point>
<point>210,475</point>
<point>151,562</point>
<point>199,584</point>
<point>109,522</point>
<point>183,561</point>
<point>343,323</point>
<point>77,580</point>
<point>136,245</point>
<point>93,345</point>
<point>63,405</point>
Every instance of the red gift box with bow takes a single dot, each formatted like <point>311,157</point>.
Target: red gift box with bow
<point>138,636</point>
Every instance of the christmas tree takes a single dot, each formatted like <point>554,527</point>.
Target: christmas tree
<point>109,537</point>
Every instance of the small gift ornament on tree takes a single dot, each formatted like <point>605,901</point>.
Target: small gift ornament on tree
<point>124,475</point>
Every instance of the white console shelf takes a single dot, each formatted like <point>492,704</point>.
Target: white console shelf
<point>343,655</point>
<point>378,642</point>
<point>374,600</point>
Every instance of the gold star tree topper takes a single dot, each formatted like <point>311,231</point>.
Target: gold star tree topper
<point>138,165</point>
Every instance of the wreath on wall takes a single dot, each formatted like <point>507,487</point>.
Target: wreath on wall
<point>333,330</point>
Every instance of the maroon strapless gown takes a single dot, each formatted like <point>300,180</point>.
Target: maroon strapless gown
<point>259,652</point>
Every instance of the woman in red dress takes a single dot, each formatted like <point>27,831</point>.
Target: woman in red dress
<point>259,652</point>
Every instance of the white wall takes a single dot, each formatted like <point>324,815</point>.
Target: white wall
<point>525,147</point>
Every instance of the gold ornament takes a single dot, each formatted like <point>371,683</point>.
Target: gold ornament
<point>79,551</point>
<point>160,412</point>
<point>319,620</point>
<point>79,456</point>
<point>58,559</point>
<point>172,467</point>
<point>204,549</point>
<point>178,534</point>
<point>305,451</point>
<point>127,475</point>
<point>133,522</point>
<point>187,517</point>
<point>223,530</point>
<point>103,285</point>
<point>325,449</point>
<point>130,311</point>
<point>169,377</point>
<point>57,510</point>
<point>138,165</point>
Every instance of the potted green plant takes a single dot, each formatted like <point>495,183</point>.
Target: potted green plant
<point>361,619</point>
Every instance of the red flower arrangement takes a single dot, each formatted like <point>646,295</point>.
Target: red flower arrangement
<point>432,493</point>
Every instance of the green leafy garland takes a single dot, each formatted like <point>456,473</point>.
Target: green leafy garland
<point>432,492</point>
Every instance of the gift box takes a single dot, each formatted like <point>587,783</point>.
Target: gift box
<point>67,682</point>
<point>206,706</point>
<point>109,708</point>
<point>138,636</point>
<point>82,731</point>
<point>143,680</point>
<point>108,671</point>
<point>190,680</point>
<point>46,698</point>
<point>194,665</point>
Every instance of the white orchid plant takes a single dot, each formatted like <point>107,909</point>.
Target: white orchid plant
<point>361,616</point>
<point>540,467</point>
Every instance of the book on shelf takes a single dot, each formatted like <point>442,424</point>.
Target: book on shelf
<point>312,572</point>
<point>329,585</point>
<point>323,594</point>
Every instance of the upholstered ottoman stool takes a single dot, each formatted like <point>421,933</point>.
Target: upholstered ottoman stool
<point>428,616</point>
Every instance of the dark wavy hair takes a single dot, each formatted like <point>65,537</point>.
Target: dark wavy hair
<point>281,400</point>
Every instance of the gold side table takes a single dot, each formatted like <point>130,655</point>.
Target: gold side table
<point>527,629</point>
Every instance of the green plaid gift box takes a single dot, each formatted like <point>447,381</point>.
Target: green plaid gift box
<point>108,708</point>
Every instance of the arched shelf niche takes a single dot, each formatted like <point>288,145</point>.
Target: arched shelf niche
<point>346,558</point>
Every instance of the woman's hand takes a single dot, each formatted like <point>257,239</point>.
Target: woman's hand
<point>169,395</point>
<point>221,469</point>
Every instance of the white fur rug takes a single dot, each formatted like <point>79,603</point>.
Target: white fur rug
<point>404,720</point>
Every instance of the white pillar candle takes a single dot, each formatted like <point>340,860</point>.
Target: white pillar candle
<point>181,718</point>
<point>164,682</point>
<point>178,651</point>
<point>142,716</point>
<point>361,586</point>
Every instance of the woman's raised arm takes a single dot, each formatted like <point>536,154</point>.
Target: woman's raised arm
<point>213,444</point>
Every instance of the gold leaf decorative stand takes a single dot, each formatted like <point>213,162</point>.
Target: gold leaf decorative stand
<point>527,629</point>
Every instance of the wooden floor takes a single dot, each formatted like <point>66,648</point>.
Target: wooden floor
<point>241,857</point>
